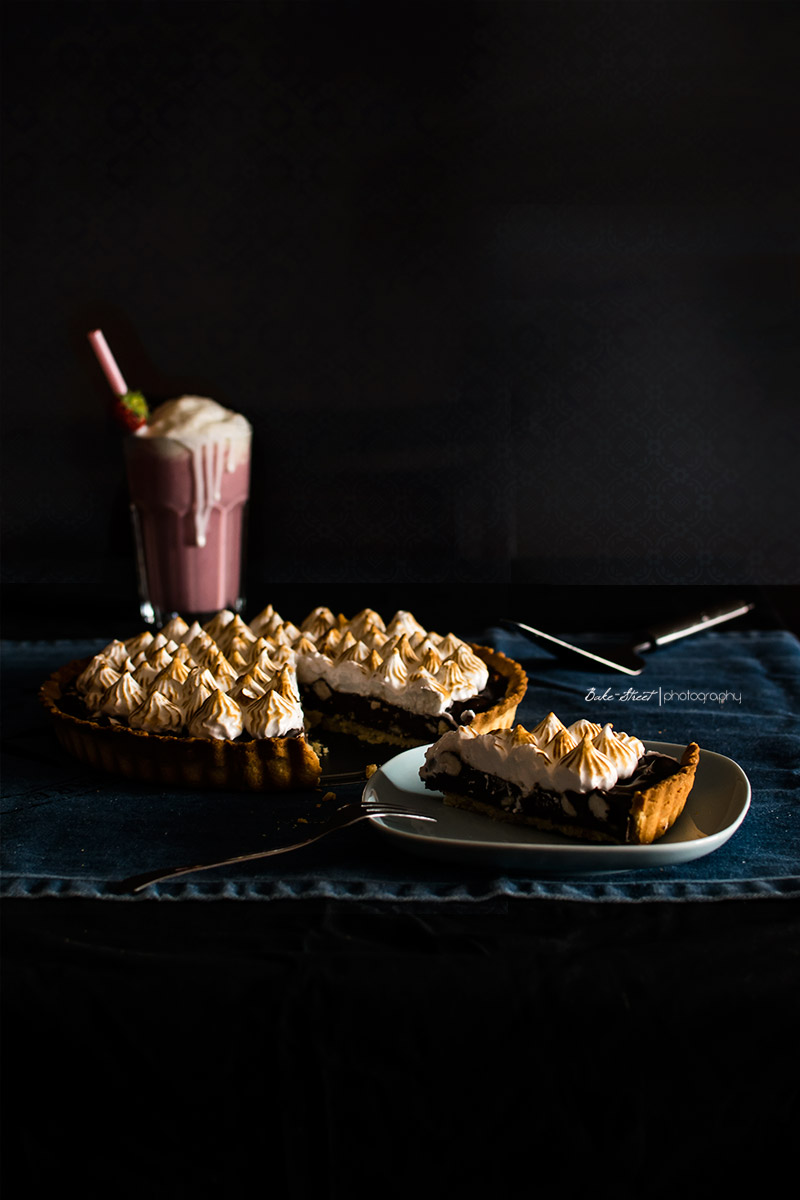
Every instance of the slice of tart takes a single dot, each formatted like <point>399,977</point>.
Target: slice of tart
<point>585,781</point>
<point>230,704</point>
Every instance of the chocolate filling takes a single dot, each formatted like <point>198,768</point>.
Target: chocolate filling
<point>374,713</point>
<point>577,813</point>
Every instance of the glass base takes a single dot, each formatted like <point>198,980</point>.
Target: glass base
<point>155,618</point>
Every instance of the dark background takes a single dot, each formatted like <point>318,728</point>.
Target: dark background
<point>509,291</point>
<point>510,294</point>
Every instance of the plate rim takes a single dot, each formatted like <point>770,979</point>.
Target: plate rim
<point>655,854</point>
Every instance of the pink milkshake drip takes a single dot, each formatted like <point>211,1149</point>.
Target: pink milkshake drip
<point>208,463</point>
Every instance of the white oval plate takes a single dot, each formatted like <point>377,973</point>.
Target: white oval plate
<point>715,809</point>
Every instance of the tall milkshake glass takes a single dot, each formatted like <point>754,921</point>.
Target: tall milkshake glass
<point>188,474</point>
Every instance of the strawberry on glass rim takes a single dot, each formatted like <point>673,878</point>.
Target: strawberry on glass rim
<point>130,408</point>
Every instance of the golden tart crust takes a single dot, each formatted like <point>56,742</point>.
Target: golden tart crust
<point>503,714</point>
<point>263,764</point>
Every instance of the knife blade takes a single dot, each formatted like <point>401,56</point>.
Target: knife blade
<point>627,658</point>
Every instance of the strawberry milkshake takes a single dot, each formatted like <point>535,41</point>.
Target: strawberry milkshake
<point>189,475</point>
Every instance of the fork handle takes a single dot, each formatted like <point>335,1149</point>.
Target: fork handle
<point>137,883</point>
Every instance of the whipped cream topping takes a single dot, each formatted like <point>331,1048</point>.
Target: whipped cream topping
<point>594,763</point>
<point>230,677</point>
<point>217,439</point>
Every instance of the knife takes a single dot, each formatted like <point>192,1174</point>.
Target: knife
<point>628,658</point>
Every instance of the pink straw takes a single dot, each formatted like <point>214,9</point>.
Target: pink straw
<point>106,359</point>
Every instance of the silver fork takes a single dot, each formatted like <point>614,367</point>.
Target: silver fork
<point>344,815</point>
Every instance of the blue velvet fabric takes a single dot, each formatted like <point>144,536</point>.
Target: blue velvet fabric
<point>70,831</point>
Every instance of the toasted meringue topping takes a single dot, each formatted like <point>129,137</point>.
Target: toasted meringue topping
<point>239,662</point>
<point>579,729</point>
<point>547,729</point>
<point>585,769</point>
<point>160,658</point>
<point>430,658</point>
<point>175,629</point>
<point>426,694</point>
<point>356,652</point>
<point>283,655</point>
<point>267,619</point>
<point>83,682</point>
<point>189,664</point>
<point>235,635</point>
<point>403,622</point>
<point>366,657</point>
<point>196,690</point>
<point>273,715</point>
<point>200,644</point>
<point>521,737</point>
<point>217,717</point>
<point>376,639</point>
<point>621,753</point>
<point>446,645</point>
<point>306,646</point>
<point>261,655</point>
<point>116,652</point>
<point>220,668</point>
<point>285,684</point>
<point>286,634</point>
<point>215,627</point>
<point>156,714</point>
<point>561,744</point>
<point>593,765</point>
<point>393,671</point>
<point>345,643</point>
<point>329,642</point>
<point>406,651</point>
<point>374,663</point>
<point>633,742</point>
<point>170,682</point>
<point>159,643</point>
<point>99,683</point>
<point>318,622</point>
<point>135,645</point>
<point>454,681</point>
<point>252,685</point>
<point>122,697</point>
<point>366,621</point>
<point>146,672</point>
<point>184,655</point>
<point>473,668</point>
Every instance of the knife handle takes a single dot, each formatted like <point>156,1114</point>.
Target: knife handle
<point>672,631</point>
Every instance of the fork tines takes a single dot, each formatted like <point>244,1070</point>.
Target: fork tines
<point>375,808</point>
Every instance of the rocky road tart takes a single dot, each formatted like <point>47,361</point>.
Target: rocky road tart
<point>585,781</point>
<point>205,707</point>
<point>399,683</point>
<point>228,704</point>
